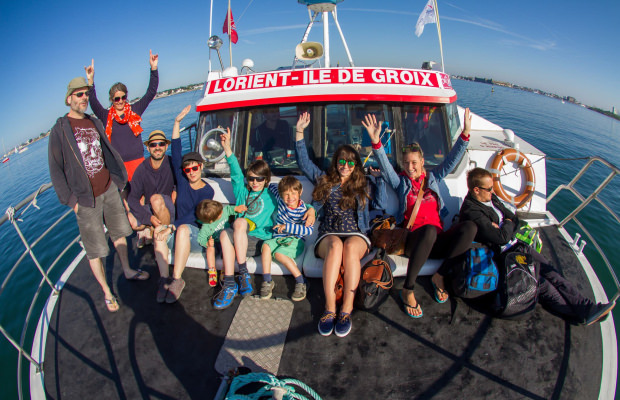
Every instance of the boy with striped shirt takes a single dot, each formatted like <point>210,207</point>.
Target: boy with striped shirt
<point>288,238</point>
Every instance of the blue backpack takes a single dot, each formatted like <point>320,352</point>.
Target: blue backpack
<point>474,273</point>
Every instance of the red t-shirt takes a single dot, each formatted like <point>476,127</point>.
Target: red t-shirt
<point>428,214</point>
<point>88,142</point>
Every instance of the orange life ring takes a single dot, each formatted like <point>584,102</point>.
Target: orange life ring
<point>511,155</point>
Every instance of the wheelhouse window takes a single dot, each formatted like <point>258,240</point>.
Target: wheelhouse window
<point>425,125</point>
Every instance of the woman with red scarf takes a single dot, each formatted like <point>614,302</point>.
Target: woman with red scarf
<point>122,120</point>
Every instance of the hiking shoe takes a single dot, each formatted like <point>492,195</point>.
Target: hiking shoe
<point>174,290</point>
<point>343,326</point>
<point>326,323</point>
<point>225,298</point>
<point>266,289</point>
<point>300,292</point>
<point>245,285</point>
<point>162,289</point>
<point>213,277</point>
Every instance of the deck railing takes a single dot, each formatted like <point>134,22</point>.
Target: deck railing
<point>584,202</point>
<point>12,216</point>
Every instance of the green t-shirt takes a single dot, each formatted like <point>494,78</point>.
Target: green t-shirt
<point>261,210</point>
<point>208,230</point>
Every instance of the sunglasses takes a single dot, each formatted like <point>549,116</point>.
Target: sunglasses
<point>486,189</point>
<point>189,169</point>
<point>344,162</point>
<point>80,94</point>
<point>256,178</point>
<point>117,99</point>
<point>411,148</point>
<point>152,145</point>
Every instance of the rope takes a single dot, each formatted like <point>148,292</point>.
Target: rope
<point>273,385</point>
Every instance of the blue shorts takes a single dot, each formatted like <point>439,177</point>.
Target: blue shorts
<point>193,239</point>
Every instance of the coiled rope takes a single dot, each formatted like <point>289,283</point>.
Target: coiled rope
<point>285,388</point>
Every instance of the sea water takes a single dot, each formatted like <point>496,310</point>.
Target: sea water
<point>560,130</point>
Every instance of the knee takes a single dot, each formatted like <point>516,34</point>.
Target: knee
<point>265,249</point>
<point>468,228</point>
<point>183,231</point>
<point>428,234</point>
<point>240,225</point>
<point>157,201</point>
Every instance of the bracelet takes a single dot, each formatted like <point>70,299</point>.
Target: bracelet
<point>300,131</point>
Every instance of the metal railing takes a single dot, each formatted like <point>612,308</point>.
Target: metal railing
<point>585,201</point>
<point>13,218</point>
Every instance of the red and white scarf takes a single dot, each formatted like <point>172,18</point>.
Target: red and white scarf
<point>129,117</point>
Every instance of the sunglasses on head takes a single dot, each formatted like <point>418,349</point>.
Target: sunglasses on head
<point>256,178</point>
<point>413,148</point>
<point>189,169</point>
<point>117,98</point>
<point>486,189</point>
<point>343,162</point>
<point>157,144</point>
<point>80,94</point>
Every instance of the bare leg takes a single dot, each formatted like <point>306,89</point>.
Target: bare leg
<point>438,280</point>
<point>161,257</point>
<point>354,250</point>
<point>289,263</point>
<point>228,254</point>
<point>121,248</point>
<point>330,250</point>
<point>96,265</point>
<point>181,251</point>
<point>159,209</point>
<point>266,258</point>
<point>134,222</point>
<point>240,229</point>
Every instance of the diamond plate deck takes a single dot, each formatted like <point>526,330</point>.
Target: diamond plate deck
<point>256,336</point>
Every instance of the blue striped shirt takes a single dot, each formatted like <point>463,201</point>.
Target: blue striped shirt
<point>292,219</point>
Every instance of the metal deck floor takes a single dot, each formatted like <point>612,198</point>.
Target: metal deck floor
<point>162,351</point>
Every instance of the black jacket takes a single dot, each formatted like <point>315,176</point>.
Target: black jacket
<point>67,168</point>
<point>484,216</point>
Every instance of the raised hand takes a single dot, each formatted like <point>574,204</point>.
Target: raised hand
<point>153,59</point>
<point>373,127</point>
<point>467,123</point>
<point>302,123</point>
<point>183,113</point>
<point>90,72</point>
<point>176,128</point>
<point>225,140</point>
<point>376,172</point>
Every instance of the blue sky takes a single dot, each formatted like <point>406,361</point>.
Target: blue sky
<point>565,47</point>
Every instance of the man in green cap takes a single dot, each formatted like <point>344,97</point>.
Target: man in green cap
<point>87,174</point>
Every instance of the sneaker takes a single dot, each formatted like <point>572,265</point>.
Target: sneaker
<point>326,323</point>
<point>266,289</point>
<point>300,292</point>
<point>225,298</point>
<point>162,289</point>
<point>213,277</point>
<point>174,290</point>
<point>343,326</point>
<point>245,285</point>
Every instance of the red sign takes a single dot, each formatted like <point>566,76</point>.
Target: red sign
<point>329,76</point>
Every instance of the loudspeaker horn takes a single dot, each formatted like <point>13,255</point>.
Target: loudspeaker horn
<point>309,51</point>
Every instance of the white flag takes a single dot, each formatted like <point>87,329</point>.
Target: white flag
<point>426,17</point>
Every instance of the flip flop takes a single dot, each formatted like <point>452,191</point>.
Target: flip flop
<point>139,276</point>
<point>112,305</point>
<point>438,291</point>
<point>416,307</point>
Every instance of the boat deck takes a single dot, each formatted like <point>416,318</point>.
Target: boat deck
<point>163,351</point>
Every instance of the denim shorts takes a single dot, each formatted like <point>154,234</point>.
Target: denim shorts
<point>194,247</point>
<point>90,221</point>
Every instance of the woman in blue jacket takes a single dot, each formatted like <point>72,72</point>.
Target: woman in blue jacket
<point>341,197</point>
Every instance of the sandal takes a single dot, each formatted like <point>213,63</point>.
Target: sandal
<point>139,276</point>
<point>438,292</point>
<point>212,277</point>
<point>112,304</point>
<point>406,306</point>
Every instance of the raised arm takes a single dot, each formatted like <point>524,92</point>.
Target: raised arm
<point>373,127</point>
<point>151,91</point>
<point>176,128</point>
<point>309,169</point>
<point>100,111</point>
<point>457,152</point>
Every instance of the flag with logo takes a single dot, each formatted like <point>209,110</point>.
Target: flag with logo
<point>427,16</point>
<point>233,29</point>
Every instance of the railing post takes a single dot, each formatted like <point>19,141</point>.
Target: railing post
<point>21,351</point>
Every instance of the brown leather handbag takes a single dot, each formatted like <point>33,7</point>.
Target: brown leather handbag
<point>375,283</point>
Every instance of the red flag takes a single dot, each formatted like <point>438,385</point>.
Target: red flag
<point>233,35</point>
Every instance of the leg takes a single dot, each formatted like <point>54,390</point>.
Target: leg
<point>330,250</point>
<point>158,205</point>
<point>266,258</point>
<point>228,253</point>
<point>161,257</point>
<point>558,296</point>
<point>230,289</point>
<point>355,248</point>
<point>240,235</point>
<point>288,262</point>
<point>419,245</point>
<point>96,265</point>
<point>181,250</point>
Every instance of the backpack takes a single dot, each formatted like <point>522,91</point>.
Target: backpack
<point>474,273</point>
<point>375,283</point>
<point>517,293</point>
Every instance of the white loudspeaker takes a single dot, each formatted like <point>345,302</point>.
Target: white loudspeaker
<point>309,51</point>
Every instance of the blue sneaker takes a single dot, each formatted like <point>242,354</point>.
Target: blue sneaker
<point>343,326</point>
<point>245,285</point>
<point>225,298</point>
<point>326,323</point>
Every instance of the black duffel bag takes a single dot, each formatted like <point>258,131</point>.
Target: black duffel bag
<point>375,283</point>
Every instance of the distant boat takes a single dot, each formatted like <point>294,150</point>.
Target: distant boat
<point>21,150</point>
<point>5,159</point>
<point>492,89</point>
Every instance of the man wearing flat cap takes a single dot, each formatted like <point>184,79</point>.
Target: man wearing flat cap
<point>151,198</point>
<point>87,174</point>
<point>191,190</point>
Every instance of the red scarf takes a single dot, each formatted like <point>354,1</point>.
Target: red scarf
<point>128,117</point>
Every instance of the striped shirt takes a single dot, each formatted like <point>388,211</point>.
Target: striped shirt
<point>292,219</point>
